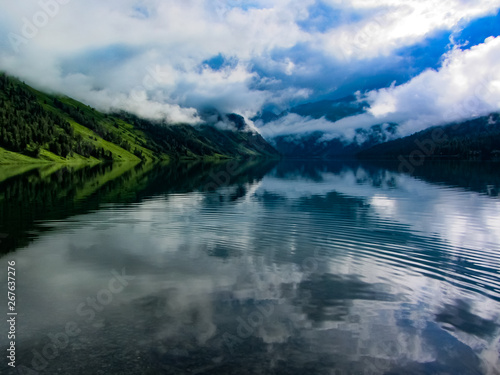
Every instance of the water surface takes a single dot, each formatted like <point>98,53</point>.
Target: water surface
<point>254,268</point>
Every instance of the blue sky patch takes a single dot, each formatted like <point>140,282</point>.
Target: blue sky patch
<point>424,55</point>
<point>220,61</point>
<point>478,30</point>
<point>141,11</point>
<point>323,17</point>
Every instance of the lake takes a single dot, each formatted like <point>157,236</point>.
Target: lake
<point>253,267</point>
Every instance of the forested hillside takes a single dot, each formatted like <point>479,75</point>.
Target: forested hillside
<point>37,126</point>
<point>316,146</point>
<point>473,139</point>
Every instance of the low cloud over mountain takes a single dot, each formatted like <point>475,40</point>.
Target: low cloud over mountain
<point>415,63</point>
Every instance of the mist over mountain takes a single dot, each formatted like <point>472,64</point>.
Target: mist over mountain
<point>476,139</point>
<point>285,63</point>
<point>36,126</point>
<point>319,143</point>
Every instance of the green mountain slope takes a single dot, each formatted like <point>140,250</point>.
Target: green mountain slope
<point>38,127</point>
<point>474,139</point>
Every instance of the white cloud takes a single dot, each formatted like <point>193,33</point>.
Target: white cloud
<point>296,124</point>
<point>344,129</point>
<point>102,52</point>
<point>467,85</point>
<point>395,24</point>
<point>408,204</point>
<point>177,37</point>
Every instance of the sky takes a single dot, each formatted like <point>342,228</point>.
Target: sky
<point>417,63</point>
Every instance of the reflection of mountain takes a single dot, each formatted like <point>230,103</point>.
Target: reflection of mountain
<point>276,269</point>
<point>56,192</point>
<point>407,221</point>
<point>481,177</point>
<point>53,193</point>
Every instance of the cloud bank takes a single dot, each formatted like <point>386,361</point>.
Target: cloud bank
<point>169,59</point>
<point>466,86</point>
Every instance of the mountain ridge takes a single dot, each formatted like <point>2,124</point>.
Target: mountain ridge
<point>476,139</point>
<point>468,139</point>
<point>40,127</point>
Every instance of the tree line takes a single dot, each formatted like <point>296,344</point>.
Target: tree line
<point>27,127</point>
<point>478,138</point>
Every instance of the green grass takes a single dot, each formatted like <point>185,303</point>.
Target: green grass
<point>122,129</point>
<point>125,131</point>
<point>152,141</point>
<point>118,153</point>
<point>9,157</point>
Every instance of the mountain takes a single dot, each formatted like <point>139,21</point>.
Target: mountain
<point>316,144</point>
<point>36,126</point>
<point>474,139</point>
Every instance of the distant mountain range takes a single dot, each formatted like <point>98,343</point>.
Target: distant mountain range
<point>37,127</point>
<point>473,139</point>
<point>316,145</point>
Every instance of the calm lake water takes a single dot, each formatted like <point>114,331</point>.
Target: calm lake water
<point>253,268</point>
